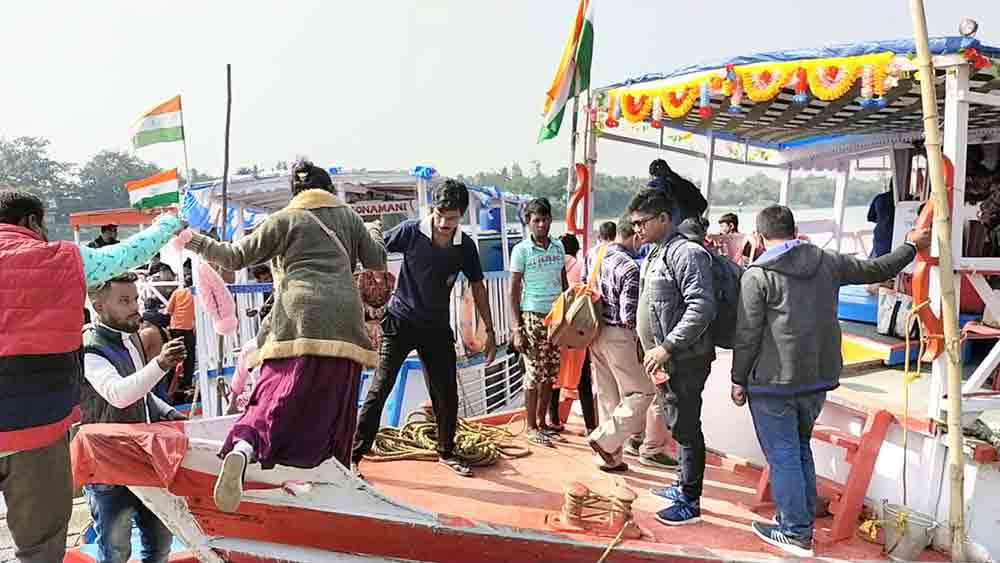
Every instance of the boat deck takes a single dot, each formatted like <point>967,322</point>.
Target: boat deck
<point>523,492</point>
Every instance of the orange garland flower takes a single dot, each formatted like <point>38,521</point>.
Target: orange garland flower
<point>765,85</point>
<point>677,103</point>
<point>635,111</point>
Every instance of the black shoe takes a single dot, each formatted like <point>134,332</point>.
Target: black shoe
<point>800,547</point>
<point>457,465</point>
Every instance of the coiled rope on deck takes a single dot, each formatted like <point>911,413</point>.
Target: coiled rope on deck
<point>478,444</point>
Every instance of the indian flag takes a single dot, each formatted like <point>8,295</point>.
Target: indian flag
<point>162,124</point>
<point>573,74</point>
<point>156,191</point>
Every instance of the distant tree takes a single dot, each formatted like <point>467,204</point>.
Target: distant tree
<point>25,163</point>
<point>102,179</point>
<point>281,165</point>
<point>247,170</point>
<point>198,176</point>
<point>515,172</point>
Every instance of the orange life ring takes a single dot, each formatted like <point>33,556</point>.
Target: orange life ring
<point>933,327</point>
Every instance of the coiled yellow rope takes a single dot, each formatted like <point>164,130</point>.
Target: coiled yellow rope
<point>478,444</point>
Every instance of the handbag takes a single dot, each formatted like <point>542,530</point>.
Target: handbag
<point>893,312</point>
<point>575,317</point>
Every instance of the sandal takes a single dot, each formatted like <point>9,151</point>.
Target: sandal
<point>539,438</point>
<point>457,465</point>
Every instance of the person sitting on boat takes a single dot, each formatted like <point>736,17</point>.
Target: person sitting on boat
<point>687,199</point>
<point>40,363</point>
<point>304,407</point>
<point>625,391</point>
<point>676,305</point>
<point>538,276</point>
<point>786,357</point>
<point>435,251</point>
<point>117,385</point>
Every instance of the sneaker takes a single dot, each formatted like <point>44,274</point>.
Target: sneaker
<point>228,490</point>
<point>632,447</point>
<point>457,465</point>
<point>679,514</point>
<point>620,468</point>
<point>800,547</point>
<point>660,460</point>
<point>672,493</point>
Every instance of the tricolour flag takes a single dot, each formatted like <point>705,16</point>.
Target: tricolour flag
<point>162,124</point>
<point>156,191</point>
<point>573,73</point>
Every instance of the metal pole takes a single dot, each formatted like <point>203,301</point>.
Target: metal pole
<point>570,179</point>
<point>219,374</point>
<point>949,313</point>
<point>709,169</point>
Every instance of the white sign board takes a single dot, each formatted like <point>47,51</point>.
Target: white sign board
<point>904,221</point>
<point>404,206</point>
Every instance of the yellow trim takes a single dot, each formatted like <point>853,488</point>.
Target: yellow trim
<point>315,347</point>
<point>314,199</point>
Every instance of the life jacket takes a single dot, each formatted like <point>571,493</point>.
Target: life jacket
<point>42,295</point>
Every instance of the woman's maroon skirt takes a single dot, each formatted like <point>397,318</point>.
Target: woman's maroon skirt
<point>302,412</point>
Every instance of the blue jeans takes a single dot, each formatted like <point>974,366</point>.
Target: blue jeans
<point>784,428</point>
<point>113,509</point>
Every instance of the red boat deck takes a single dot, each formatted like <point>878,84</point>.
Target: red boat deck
<point>523,492</point>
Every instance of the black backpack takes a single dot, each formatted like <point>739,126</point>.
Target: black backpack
<point>726,281</point>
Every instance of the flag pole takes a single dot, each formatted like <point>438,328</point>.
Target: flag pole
<point>187,165</point>
<point>949,312</point>
<point>219,374</point>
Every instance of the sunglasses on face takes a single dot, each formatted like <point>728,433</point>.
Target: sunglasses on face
<point>641,223</point>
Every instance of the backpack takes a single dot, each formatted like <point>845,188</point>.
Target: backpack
<point>726,276</point>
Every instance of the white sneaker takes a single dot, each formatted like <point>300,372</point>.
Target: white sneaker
<point>229,485</point>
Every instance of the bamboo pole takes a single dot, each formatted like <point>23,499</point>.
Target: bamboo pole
<point>949,313</point>
<point>219,374</point>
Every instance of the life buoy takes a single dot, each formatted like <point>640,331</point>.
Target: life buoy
<point>579,195</point>
<point>933,327</point>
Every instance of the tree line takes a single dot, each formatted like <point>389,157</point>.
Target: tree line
<point>66,187</point>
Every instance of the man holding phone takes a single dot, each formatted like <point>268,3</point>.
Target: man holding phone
<point>117,386</point>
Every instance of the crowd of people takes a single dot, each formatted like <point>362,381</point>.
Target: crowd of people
<point>647,366</point>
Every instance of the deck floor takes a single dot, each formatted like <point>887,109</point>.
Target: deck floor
<point>522,492</point>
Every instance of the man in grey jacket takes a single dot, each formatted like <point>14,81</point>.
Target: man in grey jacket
<point>787,356</point>
<point>676,306</point>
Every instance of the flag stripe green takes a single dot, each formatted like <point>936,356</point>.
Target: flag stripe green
<point>153,136</point>
<point>551,129</point>
<point>158,200</point>
<point>584,55</point>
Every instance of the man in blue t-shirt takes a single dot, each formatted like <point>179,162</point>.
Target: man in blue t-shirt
<point>434,251</point>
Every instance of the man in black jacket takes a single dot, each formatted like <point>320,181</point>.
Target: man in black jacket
<point>688,201</point>
<point>787,356</point>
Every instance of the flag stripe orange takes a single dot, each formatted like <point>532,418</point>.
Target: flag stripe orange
<point>171,105</point>
<point>155,179</point>
<point>567,53</point>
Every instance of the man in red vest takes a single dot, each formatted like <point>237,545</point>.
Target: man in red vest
<point>42,296</point>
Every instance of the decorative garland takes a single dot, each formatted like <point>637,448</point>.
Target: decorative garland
<point>633,111</point>
<point>825,79</point>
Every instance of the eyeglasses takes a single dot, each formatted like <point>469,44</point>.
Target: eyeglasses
<point>641,223</point>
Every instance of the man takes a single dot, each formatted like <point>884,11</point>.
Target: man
<point>607,232</point>
<point>786,357</point>
<point>687,200</point>
<point>435,251</point>
<point>625,391</point>
<point>882,212</point>
<point>108,236</point>
<point>729,224</point>
<point>537,277</point>
<point>116,389</point>
<point>676,306</point>
<point>40,363</point>
<point>180,307</point>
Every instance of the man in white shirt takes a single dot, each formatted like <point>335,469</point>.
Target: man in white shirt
<point>117,389</point>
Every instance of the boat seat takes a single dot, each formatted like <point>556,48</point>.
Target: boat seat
<point>846,499</point>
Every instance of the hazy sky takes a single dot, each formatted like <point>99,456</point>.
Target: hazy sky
<point>381,84</point>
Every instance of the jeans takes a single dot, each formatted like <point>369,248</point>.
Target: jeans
<point>436,348</point>
<point>38,489</point>
<point>114,508</point>
<point>681,400</point>
<point>784,428</point>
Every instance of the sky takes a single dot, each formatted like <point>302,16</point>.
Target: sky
<point>378,84</point>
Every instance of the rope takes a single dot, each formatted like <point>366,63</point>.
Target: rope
<point>478,444</point>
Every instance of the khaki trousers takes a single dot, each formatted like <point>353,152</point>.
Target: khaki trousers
<point>38,488</point>
<point>624,392</point>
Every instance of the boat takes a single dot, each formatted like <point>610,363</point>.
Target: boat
<point>554,505</point>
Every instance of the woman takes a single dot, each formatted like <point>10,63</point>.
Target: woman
<point>303,409</point>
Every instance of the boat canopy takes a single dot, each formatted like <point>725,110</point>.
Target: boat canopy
<point>802,103</point>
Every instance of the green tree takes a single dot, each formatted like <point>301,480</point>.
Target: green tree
<point>102,179</point>
<point>25,164</point>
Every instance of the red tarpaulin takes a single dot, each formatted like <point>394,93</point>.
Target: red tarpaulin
<point>144,455</point>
